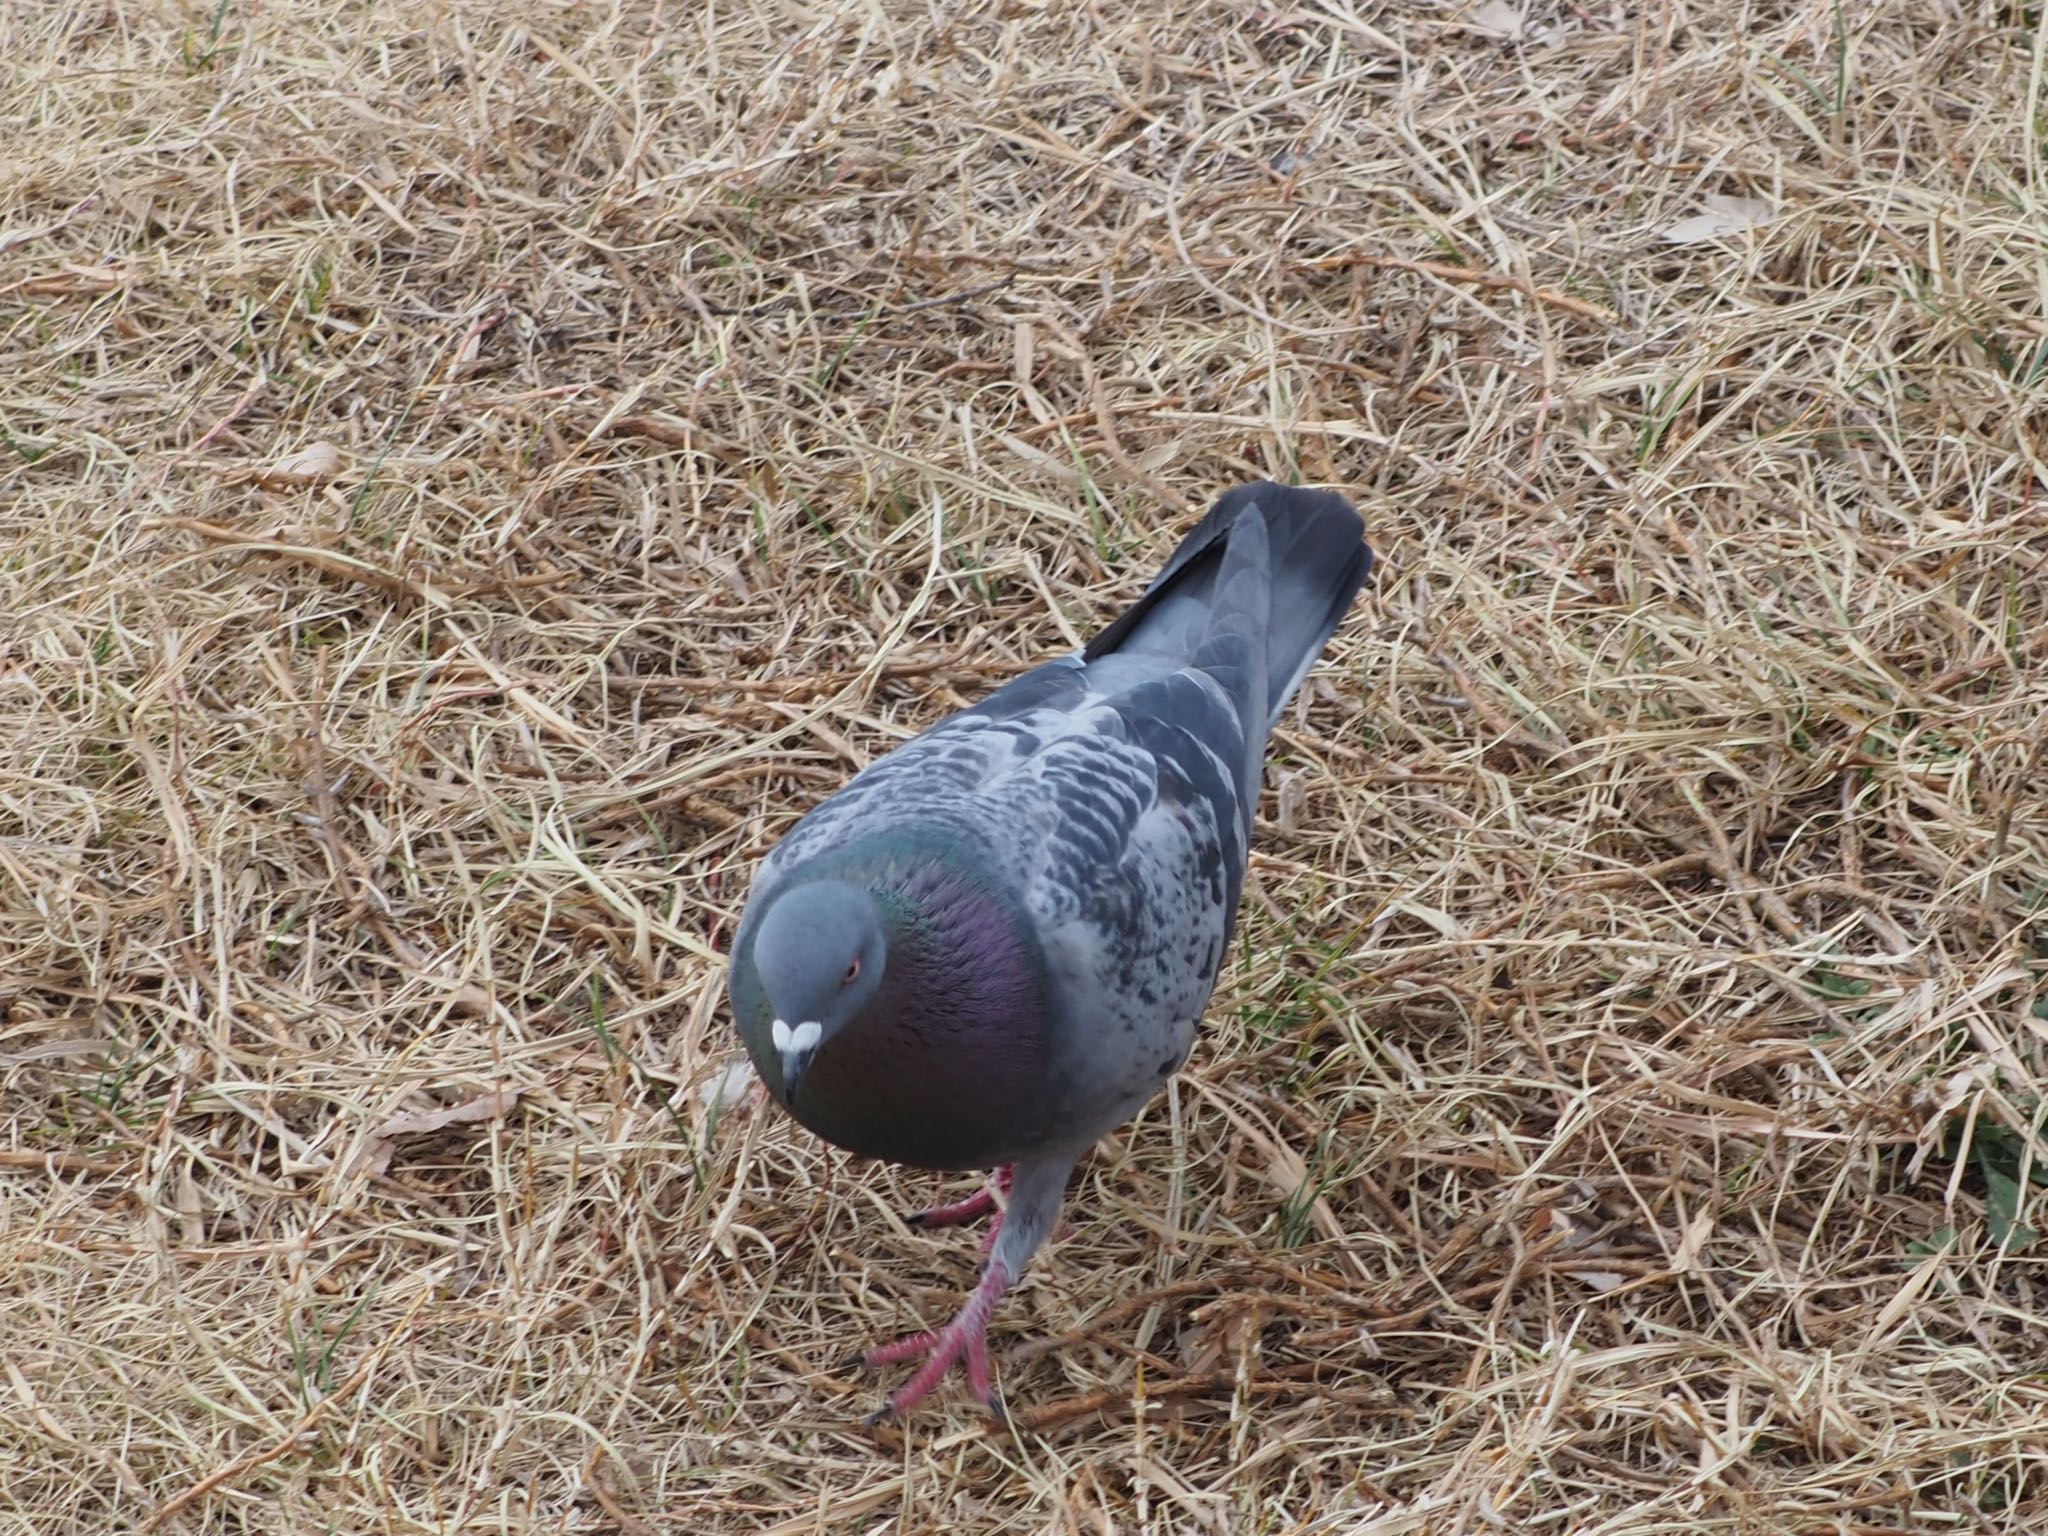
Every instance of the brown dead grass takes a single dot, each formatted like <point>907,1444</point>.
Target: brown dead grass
<point>473,474</point>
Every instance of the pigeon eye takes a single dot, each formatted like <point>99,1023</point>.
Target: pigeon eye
<point>852,972</point>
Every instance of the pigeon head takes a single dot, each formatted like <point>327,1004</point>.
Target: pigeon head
<point>896,1004</point>
<point>821,953</point>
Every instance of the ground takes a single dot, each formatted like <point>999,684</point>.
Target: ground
<point>471,474</point>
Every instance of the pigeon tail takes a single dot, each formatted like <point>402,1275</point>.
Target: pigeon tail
<point>1315,561</point>
<point>1236,634</point>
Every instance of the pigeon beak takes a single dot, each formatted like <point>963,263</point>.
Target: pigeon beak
<point>794,1066</point>
<point>796,1046</point>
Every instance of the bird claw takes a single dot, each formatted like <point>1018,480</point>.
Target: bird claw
<point>962,1341</point>
<point>958,1213</point>
<point>892,1410</point>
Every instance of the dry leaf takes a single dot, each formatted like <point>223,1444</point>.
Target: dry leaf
<point>303,466</point>
<point>1724,216</point>
<point>378,1146</point>
<point>1693,1242</point>
<point>1497,18</point>
<point>1292,795</point>
<point>190,1208</point>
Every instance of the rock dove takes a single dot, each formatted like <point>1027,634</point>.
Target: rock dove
<point>992,946</point>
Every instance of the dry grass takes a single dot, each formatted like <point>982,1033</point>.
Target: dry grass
<point>472,474</point>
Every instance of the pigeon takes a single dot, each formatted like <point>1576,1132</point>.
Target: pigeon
<point>992,946</point>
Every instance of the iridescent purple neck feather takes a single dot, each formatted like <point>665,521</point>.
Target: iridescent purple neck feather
<point>945,1066</point>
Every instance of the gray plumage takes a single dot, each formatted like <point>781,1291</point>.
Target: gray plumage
<point>994,944</point>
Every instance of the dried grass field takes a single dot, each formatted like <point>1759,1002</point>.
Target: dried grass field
<point>471,474</point>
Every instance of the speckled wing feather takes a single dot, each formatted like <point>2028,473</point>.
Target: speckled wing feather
<point>1053,776</point>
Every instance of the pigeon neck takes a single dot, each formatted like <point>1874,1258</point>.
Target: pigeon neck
<point>946,1065</point>
<point>959,959</point>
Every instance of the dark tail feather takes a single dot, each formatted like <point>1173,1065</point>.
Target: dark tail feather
<point>1317,559</point>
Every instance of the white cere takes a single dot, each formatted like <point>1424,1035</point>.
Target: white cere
<point>794,1042</point>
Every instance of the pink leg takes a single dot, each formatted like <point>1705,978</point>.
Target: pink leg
<point>960,1212</point>
<point>965,1337</point>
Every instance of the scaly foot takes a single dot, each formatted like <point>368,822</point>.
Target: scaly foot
<point>976,1205</point>
<point>965,1338</point>
<point>973,1208</point>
